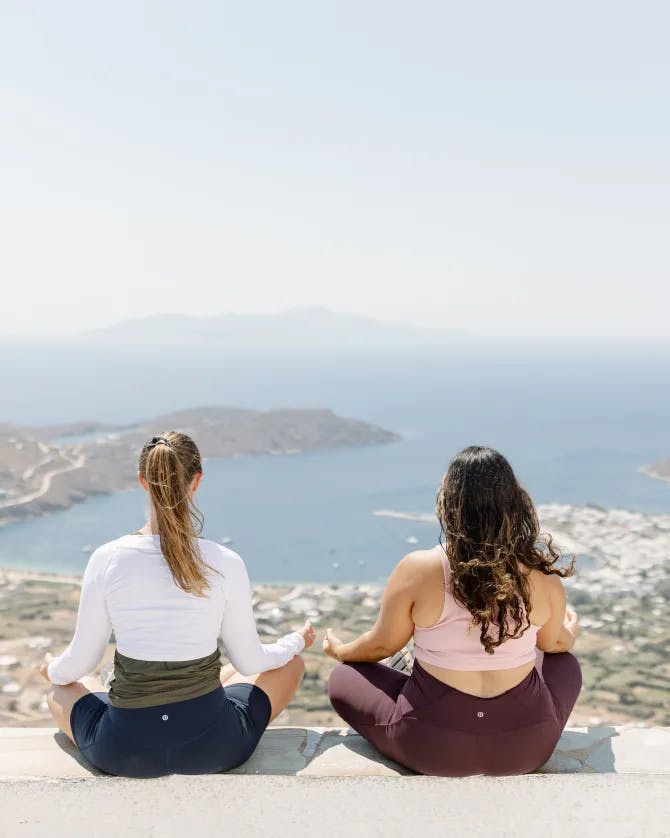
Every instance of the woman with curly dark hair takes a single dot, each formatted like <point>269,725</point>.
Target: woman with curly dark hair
<point>481,606</point>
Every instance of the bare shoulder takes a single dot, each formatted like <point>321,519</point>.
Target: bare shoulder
<point>544,582</point>
<point>420,565</point>
<point>546,593</point>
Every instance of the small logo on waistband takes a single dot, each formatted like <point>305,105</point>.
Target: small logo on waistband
<point>480,715</point>
<point>165,718</point>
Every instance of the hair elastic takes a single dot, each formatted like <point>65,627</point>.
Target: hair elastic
<point>158,440</point>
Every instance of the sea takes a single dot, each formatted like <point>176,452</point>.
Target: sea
<point>577,420</point>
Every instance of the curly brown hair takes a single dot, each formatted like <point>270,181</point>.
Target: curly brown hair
<point>492,533</point>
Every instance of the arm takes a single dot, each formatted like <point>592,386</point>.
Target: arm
<point>394,625</point>
<point>555,635</point>
<point>93,627</point>
<point>238,628</point>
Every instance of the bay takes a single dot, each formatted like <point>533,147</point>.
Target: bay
<point>576,421</point>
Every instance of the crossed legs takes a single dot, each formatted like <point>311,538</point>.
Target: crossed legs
<point>61,700</point>
<point>280,685</point>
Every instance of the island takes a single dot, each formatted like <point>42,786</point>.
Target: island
<point>47,468</point>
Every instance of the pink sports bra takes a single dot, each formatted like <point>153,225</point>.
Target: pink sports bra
<point>453,641</point>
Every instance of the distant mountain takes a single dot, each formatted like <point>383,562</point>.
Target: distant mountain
<point>298,329</point>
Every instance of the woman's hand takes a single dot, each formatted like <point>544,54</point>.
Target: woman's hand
<point>332,644</point>
<point>43,668</point>
<point>308,633</point>
<point>571,622</point>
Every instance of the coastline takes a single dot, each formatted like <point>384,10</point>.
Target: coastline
<point>618,550</point>
<point>20,575</point>
<point>48,469</point>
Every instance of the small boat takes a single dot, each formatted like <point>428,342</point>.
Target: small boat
<point>226,540</point>
<point>335,565</point>
<point>87,548</point>
<point>412,539</point>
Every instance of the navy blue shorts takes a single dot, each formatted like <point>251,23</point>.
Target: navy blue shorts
<point>214,732</point>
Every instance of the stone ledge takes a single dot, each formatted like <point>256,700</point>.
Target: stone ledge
<point>45,753</point>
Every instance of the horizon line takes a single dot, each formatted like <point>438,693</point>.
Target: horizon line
<point>428,330</point>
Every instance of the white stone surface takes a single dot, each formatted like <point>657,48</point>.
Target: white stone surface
<point>532,806</point>
<point>338,752</point>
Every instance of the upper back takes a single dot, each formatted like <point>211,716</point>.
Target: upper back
<point>453,641</point>
<point>152,617</point>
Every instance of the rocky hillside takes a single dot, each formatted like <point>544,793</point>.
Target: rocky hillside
<point>48,468</point>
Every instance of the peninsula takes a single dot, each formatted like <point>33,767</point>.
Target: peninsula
<point>44,469</point>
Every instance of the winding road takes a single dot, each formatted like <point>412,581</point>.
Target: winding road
<point>45,484</point>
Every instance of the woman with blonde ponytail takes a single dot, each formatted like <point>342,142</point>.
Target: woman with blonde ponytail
<point>169,596</point>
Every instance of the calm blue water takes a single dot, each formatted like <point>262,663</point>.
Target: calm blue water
<point>576,422</point>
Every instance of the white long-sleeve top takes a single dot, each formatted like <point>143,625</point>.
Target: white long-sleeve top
<point>128,588</point>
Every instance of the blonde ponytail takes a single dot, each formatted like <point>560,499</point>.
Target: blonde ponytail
<point>169,463</point>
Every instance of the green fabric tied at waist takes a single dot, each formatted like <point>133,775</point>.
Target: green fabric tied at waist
<point>140,683</point>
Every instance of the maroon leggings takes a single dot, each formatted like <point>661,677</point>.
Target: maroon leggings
<point>435,729</point>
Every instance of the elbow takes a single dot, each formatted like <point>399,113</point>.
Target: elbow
<point>368,652</point>
<point>380,649</point>
<point>247,667</point>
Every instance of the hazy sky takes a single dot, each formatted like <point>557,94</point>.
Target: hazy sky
<point>498,167</point>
